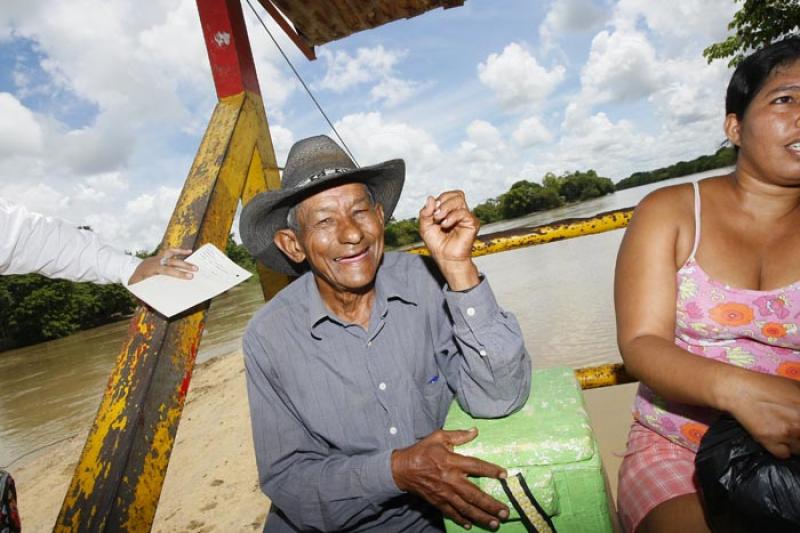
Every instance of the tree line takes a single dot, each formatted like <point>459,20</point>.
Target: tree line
<point>723,157</point>
<point>522,198</point>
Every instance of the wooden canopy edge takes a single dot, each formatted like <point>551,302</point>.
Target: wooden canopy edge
<point>310,23</point>
<point>297,38</point>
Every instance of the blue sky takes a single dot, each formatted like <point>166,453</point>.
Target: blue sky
<point>103,103</point>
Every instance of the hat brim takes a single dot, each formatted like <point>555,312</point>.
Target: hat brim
<point>266,212</point>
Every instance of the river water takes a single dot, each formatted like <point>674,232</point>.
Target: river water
<point>562,294</point>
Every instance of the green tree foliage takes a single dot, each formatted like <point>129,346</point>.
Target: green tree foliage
<point>488,211</point>
<point>239,254</point>
<point>723,157</point>
<point>401,232</point>
<point>580,186</point>
<point>34,308</point>
<point>526,197</point>
<point>757,24</point>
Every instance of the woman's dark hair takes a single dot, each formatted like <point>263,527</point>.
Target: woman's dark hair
<point>750,75</point>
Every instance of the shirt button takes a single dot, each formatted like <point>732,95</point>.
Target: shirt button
<point>470,311</point>
<point>382,386</point>
<point>393,430</point>
<point>483,353</point>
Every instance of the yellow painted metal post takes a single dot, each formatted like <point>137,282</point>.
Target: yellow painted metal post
<point>606,375</point>
<point>117,483</point>
<point>264,175</point>
<point>555,231</point>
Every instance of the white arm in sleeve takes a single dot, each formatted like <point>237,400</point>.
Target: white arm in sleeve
<point>33,243</point>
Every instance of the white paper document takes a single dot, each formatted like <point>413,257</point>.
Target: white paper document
<point>215,274</point>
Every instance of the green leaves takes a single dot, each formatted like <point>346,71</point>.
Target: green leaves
<point>401,232</point>
<point>723,157</point>
<point>35,309</point>
<point>757,24</point>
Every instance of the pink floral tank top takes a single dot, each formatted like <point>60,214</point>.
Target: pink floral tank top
<point>757,330</point>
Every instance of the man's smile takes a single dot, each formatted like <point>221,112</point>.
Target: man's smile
<point>352,258</point>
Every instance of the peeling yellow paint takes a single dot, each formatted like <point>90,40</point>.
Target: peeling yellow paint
<point>544,234</point>
<point>602,376</point>
<point>235,160</point>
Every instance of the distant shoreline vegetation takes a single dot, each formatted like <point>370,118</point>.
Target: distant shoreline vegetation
<point>525,197</point>
<point>723,157</point>
<point>35,309</point>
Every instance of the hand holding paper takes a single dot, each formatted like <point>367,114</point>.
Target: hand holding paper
<point>215,274</point>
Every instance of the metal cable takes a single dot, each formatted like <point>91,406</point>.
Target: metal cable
<point>347,149</point>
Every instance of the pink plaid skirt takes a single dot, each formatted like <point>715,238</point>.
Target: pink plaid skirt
<point>653,471</point>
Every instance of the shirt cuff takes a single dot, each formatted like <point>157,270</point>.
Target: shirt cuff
<point>127,269</point>
<point>376,476</point>
<point>472,309</point>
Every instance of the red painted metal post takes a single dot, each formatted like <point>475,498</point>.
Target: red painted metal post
<point>228,47</point>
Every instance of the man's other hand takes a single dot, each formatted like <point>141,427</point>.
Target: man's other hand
<point>448,229</point>
<point>170,263</point>
<point>433,471</point>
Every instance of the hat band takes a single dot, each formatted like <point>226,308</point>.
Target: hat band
<point>321,174</point>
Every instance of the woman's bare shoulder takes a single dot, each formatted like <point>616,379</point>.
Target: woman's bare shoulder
<point>672,201</point>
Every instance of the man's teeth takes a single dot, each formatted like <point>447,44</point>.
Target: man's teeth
<point>795,146</point>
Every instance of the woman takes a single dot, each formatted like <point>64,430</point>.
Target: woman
<point>708,301</point>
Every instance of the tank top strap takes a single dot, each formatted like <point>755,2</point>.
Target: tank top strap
<point>696,187</point>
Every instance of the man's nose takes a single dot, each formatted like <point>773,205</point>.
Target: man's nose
<point>350,231</point>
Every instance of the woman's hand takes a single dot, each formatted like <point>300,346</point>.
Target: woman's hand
<point>769,409</point>
<point>170,263</point>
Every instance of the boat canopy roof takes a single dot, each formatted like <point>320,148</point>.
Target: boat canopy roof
<point>321,21</point>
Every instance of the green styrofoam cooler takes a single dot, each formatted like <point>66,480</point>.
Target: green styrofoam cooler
<point>551,443</point>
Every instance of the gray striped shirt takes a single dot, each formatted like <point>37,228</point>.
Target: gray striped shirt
<point>330,401</point>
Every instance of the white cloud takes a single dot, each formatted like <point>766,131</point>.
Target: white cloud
<point>148,215</point>
<point>570,16</point>
<point>482,146</point>
<point>696,93</point>
<point>393,91</point>
<point>39,197</point>
<point>704,21</point>
<point>531,132</point>
<point>282,141</point>
<point>368,65</point>
<point>484,134</point>
<point>20,133</point>
<point>622,66</point>
<point>517,78</point>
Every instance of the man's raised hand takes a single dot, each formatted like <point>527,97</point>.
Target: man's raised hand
<point>433,471</point>
<point>448,229</point>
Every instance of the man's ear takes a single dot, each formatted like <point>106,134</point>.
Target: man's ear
<point>733,129</point>
<point>379,210</point>
<point>287,242</point>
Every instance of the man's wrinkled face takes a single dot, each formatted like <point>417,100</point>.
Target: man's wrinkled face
<point>340,234</point>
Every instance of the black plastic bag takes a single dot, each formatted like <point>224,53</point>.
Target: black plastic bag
<point>744,487</point>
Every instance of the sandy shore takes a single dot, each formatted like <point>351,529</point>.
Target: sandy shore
<point>211,483</point>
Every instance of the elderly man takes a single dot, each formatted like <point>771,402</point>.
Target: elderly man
<point>351,369</point>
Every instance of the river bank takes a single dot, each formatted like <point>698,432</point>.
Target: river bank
<point>211,483</point>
